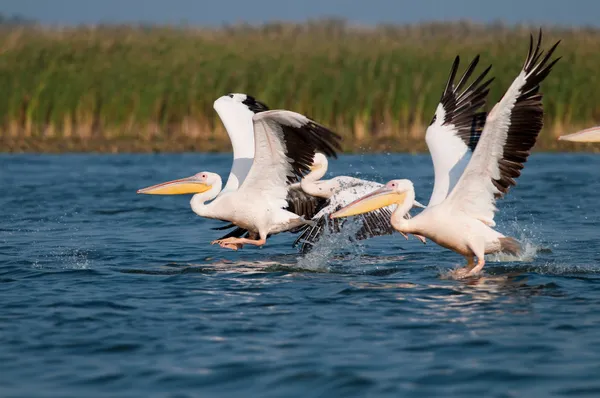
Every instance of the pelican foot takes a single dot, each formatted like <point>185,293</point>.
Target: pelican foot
<point>232,246</point>
<point>228,243</point>
<point>463,273</point>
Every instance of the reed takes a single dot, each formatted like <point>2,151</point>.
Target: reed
<point>136,88</point>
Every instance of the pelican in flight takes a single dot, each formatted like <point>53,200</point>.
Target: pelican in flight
<point>339,192</point>
<point>452,137</point>
<point>285,143</point>
<point>236,112</point>
<point>463,221</point>
<point>588,135</point>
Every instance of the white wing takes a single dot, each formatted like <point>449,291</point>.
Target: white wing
<point>285,145</point>
<point>455,129</point>
<point>237,119</point>
<point>510,132</point>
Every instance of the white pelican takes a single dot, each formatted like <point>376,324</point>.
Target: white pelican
<point>451,138</point>
<point>588,135</point>
<point>338,192</point>
<point>236,111</point>
<point>462,222</point>
<point>285,143</point>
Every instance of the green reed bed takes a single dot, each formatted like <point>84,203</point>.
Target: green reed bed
<point>120,88</point>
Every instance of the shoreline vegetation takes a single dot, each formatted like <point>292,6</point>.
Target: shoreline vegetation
<point>151,88</point>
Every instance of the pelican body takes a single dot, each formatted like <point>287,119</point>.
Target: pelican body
<point>454,230</point>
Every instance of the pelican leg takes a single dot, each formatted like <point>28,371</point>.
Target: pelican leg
<point>465,271</point>
<point>478,248</point>
<point>477,269</point>
<point>471,268</point>
<point>470,262</point>
<point>238,242</point>
<point>479,251</point>
<point>255,242</point>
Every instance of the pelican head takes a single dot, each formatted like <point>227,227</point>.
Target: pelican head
<point>319,165</point>
<point>395,192</point>
<point>198,183</point>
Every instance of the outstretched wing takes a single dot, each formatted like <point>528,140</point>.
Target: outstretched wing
<point>285,145</point>
<point>236,116</point>
<point>510,131</point>
<point>456,128</point>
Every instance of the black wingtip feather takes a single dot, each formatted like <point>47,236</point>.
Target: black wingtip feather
<point>467,74</point>
<point>461,105</point>
<point>453,70</point>
<point>526,117</point>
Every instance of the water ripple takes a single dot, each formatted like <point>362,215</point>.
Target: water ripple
<point>109,293</point>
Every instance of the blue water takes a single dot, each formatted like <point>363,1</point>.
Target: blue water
<point>107,293</point>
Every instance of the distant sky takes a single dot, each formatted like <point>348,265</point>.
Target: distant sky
<point>218,12</point>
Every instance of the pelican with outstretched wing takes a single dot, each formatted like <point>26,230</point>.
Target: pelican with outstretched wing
<point>463,221</point>
<point>236,112</point>
<point>285,143</point>
<point>452,136</point>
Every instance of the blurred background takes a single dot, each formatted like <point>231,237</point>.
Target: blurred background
<point>141,75</point>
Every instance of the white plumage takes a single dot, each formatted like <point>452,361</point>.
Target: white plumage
<point>455,129</point>
<point>236,112</point>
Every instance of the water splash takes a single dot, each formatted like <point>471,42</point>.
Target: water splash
<point>529,237</point>
<point>69,258</point>
<point>325,249</point>
<point>565,269</point>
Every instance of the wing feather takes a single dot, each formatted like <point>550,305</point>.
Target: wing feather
<point>456,127</point>
<point>285,145</point>
<point>510,131</point>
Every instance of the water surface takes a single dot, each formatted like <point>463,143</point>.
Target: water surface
<point>109,293</point>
